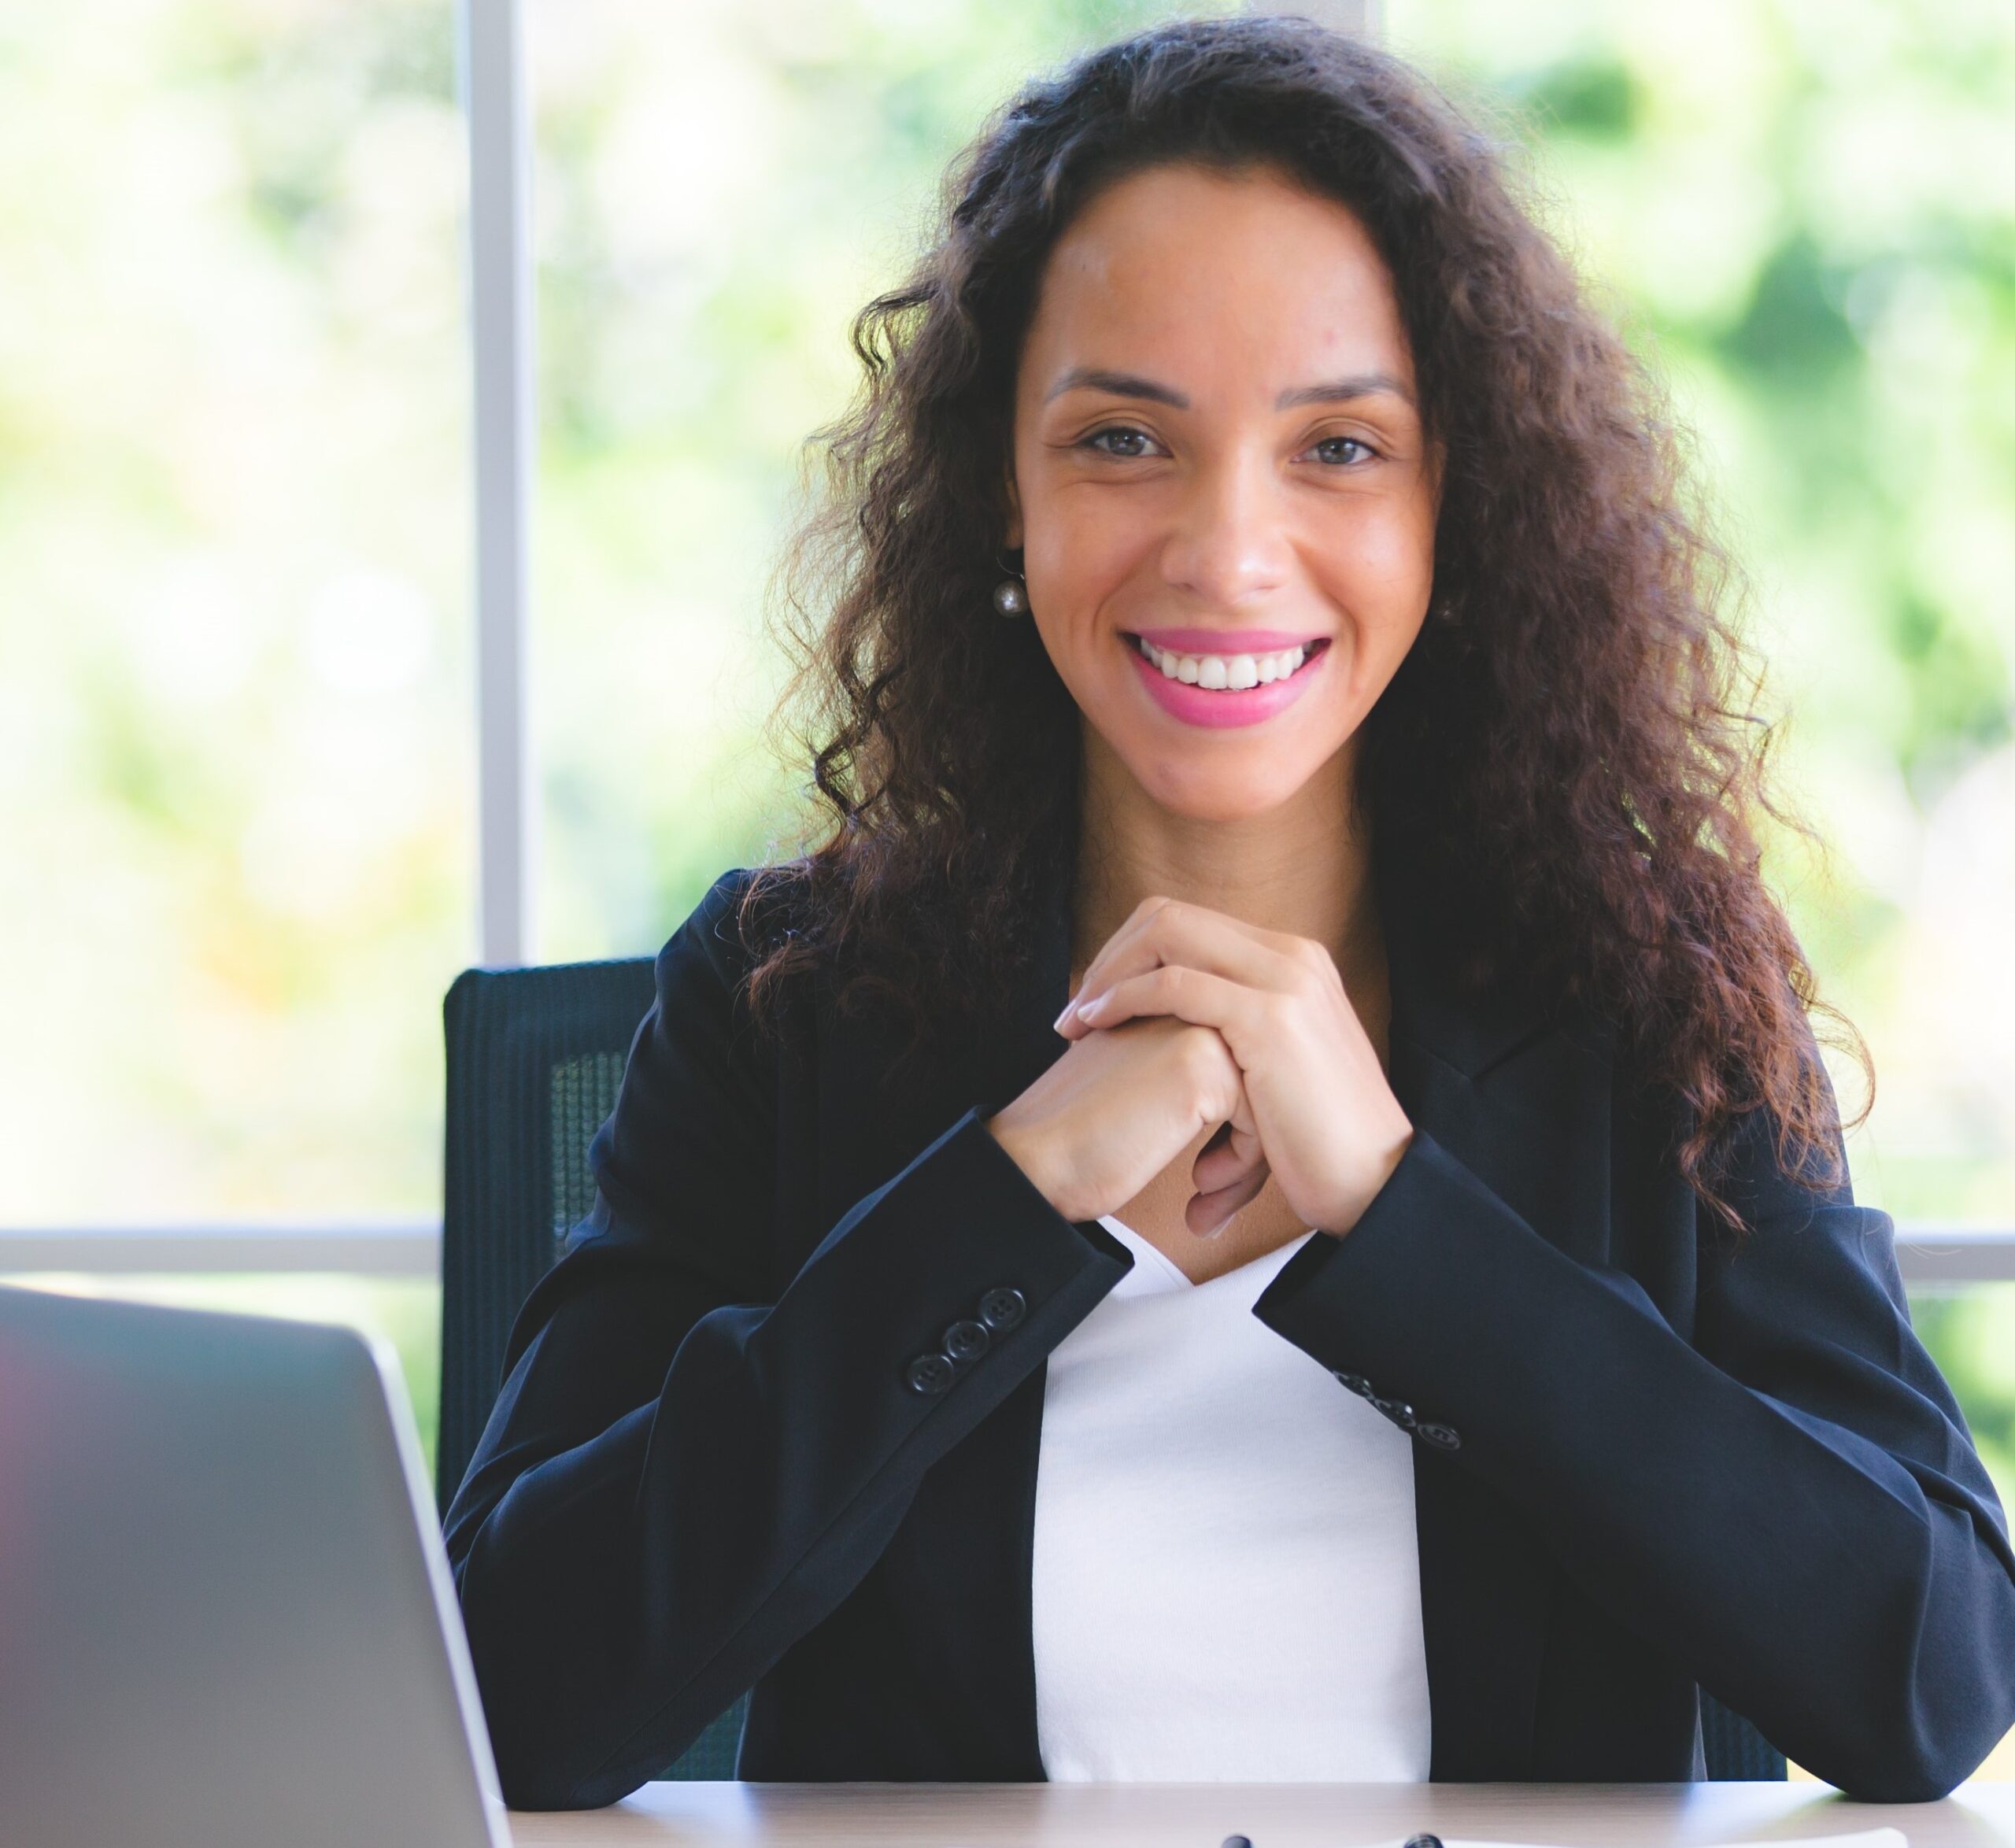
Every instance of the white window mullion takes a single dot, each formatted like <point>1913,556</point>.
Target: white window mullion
<point>495,105</point>
<point>383,1248</point>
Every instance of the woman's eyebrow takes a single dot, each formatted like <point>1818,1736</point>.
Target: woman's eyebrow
<point>1131,384</point>
<point>1334,390</point>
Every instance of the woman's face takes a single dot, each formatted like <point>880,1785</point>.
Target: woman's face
<point>1217,454</point>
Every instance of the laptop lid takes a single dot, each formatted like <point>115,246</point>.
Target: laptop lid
<point>226,1615</point>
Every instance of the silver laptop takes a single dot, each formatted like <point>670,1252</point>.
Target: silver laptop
<point>226,1617</point>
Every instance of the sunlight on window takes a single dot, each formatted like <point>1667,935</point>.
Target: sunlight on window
<point>234,727</point>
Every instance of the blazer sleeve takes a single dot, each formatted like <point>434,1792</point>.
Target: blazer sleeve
<point>1790,1504</point>
<point>689,1466</point>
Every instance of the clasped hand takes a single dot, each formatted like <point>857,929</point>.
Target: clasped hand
<point>1324,1119</point>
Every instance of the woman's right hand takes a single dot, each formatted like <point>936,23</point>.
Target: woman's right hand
<point>1121,1104</point>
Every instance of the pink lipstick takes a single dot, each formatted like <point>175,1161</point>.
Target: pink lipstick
<point>1204,706</point>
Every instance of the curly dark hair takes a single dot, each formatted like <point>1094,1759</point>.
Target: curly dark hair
<point>1567,761</point>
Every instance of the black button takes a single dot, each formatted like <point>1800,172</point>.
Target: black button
<point>1001,1309</point>
<point>1443,1437</point>
<point>967,1340</point>
<point>931,1373</point>
<point>1357,1383</point>
<point>1423,1841</point>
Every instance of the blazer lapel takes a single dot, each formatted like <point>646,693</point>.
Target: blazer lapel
<point>1521,1100</point>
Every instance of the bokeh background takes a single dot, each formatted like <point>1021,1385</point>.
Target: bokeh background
<point>236,715</point>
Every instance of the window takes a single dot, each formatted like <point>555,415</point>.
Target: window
<point>239,736</point>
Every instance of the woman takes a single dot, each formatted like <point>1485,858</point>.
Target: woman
<point>1412,1319</point>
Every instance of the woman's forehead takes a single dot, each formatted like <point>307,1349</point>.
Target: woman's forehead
<point>1242,282</point>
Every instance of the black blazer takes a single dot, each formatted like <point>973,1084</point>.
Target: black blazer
<point>726,1457</point>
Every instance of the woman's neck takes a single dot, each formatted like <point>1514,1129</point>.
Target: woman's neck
<point>1301,868</point>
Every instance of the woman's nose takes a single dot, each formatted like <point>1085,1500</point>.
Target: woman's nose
<point>1229,541</point>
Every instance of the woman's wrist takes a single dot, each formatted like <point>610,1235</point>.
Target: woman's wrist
<point>1022,1153</point>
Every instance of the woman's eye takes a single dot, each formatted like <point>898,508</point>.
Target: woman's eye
<point>1126,433</point>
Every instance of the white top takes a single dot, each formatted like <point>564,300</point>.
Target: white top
<point>1226,1582</point>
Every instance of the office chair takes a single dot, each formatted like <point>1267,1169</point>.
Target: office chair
<point>1735,1750</point>
<point>534,1057</point>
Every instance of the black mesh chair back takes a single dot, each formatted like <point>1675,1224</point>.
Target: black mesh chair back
<point>1736,1753</point>
<point>534,1059</point>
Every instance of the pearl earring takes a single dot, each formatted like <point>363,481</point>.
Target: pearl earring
<point>1010,595</point>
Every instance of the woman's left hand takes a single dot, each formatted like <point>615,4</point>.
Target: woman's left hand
<point>1329,1125</point>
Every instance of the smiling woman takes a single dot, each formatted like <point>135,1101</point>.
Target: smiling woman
<point>1323,865</point>
<point>1294,360</point>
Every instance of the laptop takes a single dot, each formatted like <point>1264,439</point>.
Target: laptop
<point>226,1615</point>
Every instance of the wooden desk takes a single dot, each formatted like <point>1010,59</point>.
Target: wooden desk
<point>1977,1815</point>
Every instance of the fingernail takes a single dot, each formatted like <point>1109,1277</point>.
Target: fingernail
<point>1069,1008</point>
<point>1087,1009</point>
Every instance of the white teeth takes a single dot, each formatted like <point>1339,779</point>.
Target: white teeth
<point>1225,672</point>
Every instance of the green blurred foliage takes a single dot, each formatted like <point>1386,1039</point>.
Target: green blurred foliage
<point>234,588</point>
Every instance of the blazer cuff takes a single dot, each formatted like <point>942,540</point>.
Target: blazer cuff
<point>964,1196</point>
<point>868,1328</point>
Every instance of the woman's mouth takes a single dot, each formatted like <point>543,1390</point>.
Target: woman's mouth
<point>1229,687</point>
